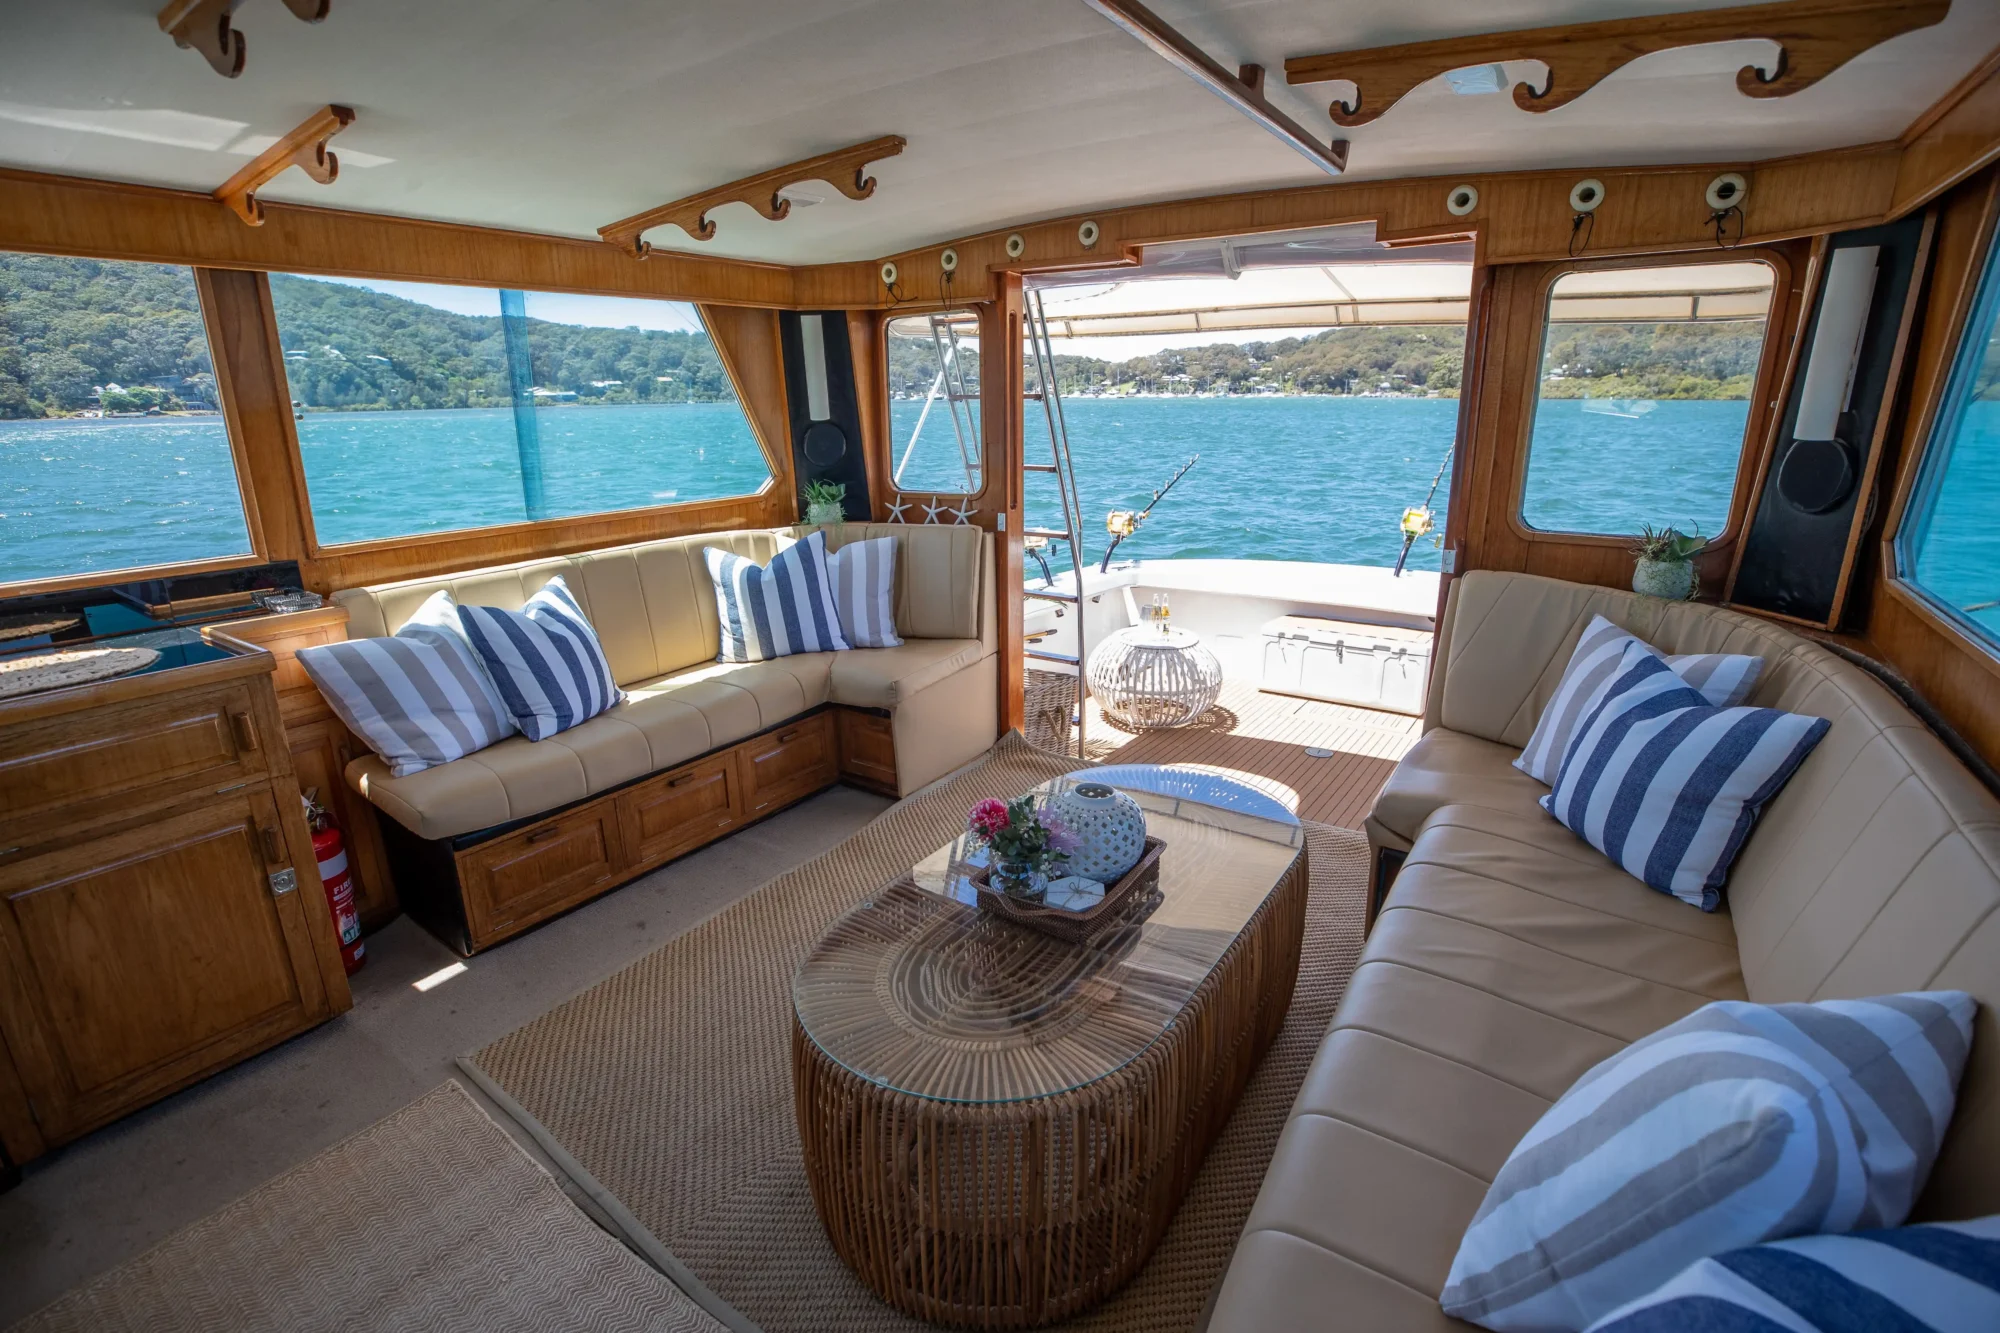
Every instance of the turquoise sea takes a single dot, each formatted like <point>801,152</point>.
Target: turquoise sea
<point>1280,478</point>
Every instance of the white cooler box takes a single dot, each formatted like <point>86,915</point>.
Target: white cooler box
<point>1372,666</point>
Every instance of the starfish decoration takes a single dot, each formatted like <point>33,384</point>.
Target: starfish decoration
<point>897,508</point>
<point>933,509</point>
<point>964,512</point>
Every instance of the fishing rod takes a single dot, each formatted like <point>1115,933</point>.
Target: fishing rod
<point>1420,520</point>
<point>1122,523</point>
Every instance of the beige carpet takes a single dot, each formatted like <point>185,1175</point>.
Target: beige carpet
<point>669,1083</point>
<point>431,1219</point>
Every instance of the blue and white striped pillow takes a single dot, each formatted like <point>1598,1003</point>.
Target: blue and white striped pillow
<point>419,698</point>
<point>1942,1277</point>
<point>863,575</point>
<point>1669,786</point>
<point>1741,1123</point>
<point>1724,679</point>
<point>778,609</point>
<point>545,659</point>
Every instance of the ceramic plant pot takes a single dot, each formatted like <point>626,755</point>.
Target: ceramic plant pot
<point>825,513</point>
<point>1108,824</point>
<point>1671,579</point>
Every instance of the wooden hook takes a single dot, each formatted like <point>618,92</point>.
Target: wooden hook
<point>304,147</point>
<point>204,25</point>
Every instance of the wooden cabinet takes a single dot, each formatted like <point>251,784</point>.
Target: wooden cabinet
<point>161,916</point>
<point>793,761</point>
<point>513,882</point>
<point>867,750</point>
<point>679,811</point>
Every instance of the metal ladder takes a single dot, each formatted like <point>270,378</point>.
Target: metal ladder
<point>1038,384</point>
<point>961,400</point>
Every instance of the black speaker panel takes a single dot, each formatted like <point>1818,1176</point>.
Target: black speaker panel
<point>828,450</point>
<point>1799,525</point>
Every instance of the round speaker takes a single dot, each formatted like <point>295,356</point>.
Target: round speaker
<point>1586,194</point>
<point>1462,200</point>
<point>825,444</point>
<point>1815,476</point>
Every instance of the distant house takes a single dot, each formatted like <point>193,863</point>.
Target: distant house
<point>606,384</point>
<point>553,395</point>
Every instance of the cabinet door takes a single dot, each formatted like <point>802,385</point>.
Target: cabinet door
<point>679,811</point>
<point>135,964</point>
<point>320,752</point>
<point>511,883</point>
<point>867,750</point>
<point>781,766</point>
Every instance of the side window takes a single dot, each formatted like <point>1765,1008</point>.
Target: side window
<point>427,408</point>
<point>113,452</point>
<point>935,438</point>
<point>1644,397</point>
<point>1948,548</point>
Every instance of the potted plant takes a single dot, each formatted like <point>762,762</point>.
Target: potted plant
<point>1025,842</point>
<point>1665,563</point>
<point>825,501</point>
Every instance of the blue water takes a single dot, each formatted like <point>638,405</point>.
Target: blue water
<point>1280,478</point>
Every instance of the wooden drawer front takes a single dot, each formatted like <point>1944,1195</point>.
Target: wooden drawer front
<point>788,763</point>
<point>680,811</point>
<point>137,962</point>
<point>152,747</point>
<point>867,750</point>
<point>515,881</point>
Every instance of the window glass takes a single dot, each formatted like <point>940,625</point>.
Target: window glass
<point>936,440</point>
<point>425,408</point>
<point>1646,378</point>
<point>1949,546</point>
<point>113,454</point>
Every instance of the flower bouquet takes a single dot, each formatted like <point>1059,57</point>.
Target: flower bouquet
<point>1025,842</point>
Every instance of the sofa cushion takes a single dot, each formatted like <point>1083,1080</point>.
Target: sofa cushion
<point>778,609</point>
<point>545,659</point>
<point>863,575</point>
<point>1509,959</point>
<point>1447,767</point>
<point>885,677</point>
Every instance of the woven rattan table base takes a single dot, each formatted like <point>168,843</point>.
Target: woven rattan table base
<point>1016,1214</point>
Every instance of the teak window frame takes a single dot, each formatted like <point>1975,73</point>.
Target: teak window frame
<point>1780,323</point>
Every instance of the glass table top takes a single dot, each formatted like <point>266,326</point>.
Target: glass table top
<point>919,990</point>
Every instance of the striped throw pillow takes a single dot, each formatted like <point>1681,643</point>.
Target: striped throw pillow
<point>1724,679</point>
<point>546,660</point>
<point>863,575</point>
<point>419,698</point>
<point>778,609</point>
<point>1667,785</point>
<point>1942,1277</point>
<point>1741,1123</point>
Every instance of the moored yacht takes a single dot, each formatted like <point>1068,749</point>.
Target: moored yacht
<point>868,667</point>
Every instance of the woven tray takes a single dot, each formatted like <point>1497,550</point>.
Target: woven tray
<point>79,666</point>
<point>1118,905</point>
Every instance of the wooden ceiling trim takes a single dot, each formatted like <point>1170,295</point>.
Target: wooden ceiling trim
<point>846,169</point>
<point>1958,136</point>
<point>303,146</point>
<point>205,26</point>
<point>1814,37</point>
<point>68,215</point>
<point>1243,89</point>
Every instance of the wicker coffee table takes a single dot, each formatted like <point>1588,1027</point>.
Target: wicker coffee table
<point>997,1125</point>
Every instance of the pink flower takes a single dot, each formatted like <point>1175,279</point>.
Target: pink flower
<point>1061,839</point>
<point>988,818</point>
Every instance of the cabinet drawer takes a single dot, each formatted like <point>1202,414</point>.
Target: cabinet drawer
<point>130,753</point>
<point>788,763</point>
<point>515,881</point>
<point>681,810</point>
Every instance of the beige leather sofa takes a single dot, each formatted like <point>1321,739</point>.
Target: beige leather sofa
<point>653,607</point>
<point>1509,956</point>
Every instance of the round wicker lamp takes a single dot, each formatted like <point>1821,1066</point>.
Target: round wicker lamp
<point>1147,678</point>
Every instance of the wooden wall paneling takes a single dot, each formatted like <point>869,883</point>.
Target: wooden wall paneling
<point>1002,370</point>
<point>20,1137</point>
<point>67,215</point>
<point>1958,136</point>
<point>747,343</point>
<point>867,343</point>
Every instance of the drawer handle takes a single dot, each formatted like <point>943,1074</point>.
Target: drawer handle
<point>246,731</point>
<point>541,833</point>
<point>682,780</point>
<point>273,849</point>
<point>787,737</point>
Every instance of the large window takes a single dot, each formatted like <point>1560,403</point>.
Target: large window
<point>1646,377</point>
<point>1949,544</point>
<point>427,408</point>
<point>113,454</point>
<point>936,444</point>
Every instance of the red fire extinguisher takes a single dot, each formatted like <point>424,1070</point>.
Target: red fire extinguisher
<point>332,857</point>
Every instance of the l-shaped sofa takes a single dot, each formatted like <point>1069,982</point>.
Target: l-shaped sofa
<point>1508,956</point>
<point>490,844</point>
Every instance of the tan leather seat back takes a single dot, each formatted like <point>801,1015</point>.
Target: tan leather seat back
<point>944,575</point>
<point>1876,869</point>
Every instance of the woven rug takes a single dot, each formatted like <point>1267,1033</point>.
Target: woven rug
<point>668,1085</point>
<point>431,1219</point>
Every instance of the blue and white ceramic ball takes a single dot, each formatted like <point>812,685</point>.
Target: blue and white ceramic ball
<point>1110,826</point>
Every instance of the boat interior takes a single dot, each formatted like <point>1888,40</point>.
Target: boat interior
<point>863,664</point>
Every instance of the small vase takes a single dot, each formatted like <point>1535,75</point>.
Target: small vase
<point>1671,579</point>
<point>1019,880</point>
<point>818,514</point>
<point>1108,824</point>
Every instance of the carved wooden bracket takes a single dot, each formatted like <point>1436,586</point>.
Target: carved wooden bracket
<point>846,169</point>
<point>204,25</point>
<point>304,148</point>
<point>1814,37</point>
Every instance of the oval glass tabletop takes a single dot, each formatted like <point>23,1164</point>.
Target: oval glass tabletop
<point>920,991</point>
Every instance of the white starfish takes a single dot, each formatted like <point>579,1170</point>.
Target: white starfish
<point>964,512</point>
<point>897,508</point>
<point>933,509</point>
